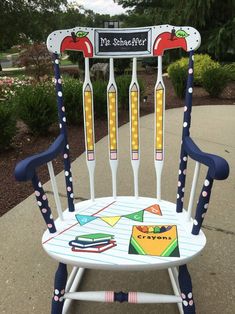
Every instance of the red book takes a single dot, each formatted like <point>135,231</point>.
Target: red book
<point>97,249</point>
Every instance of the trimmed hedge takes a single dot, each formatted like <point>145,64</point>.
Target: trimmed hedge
<point>178,76</point>
<point>36,106</point>
<point>72,96</point>
<point>215,80</point>
<point>202,62</point>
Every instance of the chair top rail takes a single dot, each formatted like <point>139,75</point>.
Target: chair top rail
<point>124,42</point>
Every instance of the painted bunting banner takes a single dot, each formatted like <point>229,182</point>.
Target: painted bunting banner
<point>112,220</point>
<point>84,219</point>
<point>137,216</point>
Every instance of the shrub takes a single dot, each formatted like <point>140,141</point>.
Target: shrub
<point>123,84</point>
<point>202,62</point>
<point>36,59</point>
<point>36,106</point>
<point>178,76</point>
<point>230,70</point>
<point>100,98</point>
<point>75,73</point>
<point>214,81</point>
<point>121,65</point>
<point>7,124</point>
<point>72,95</point>
<point>9,85</point>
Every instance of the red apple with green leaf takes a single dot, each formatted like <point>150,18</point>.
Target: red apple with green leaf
<point>167,40</point>
<point>78,42</point>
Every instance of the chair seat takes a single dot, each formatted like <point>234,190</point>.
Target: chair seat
<point>117,217</point>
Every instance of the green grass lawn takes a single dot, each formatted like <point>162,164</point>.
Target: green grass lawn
<point>3,55</point>
<point>66,62</point>
<point>14,73</point>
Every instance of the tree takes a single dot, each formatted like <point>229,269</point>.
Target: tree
<point>22,21</point>
<point>86,18</point>
<point>37,60</point>
<point>213,18</point>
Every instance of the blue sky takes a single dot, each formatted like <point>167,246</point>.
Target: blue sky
<point>101,6</point>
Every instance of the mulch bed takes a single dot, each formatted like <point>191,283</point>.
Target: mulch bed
<point>24,145</point>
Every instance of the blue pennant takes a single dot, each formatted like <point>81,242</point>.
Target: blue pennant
<point>84,219</point>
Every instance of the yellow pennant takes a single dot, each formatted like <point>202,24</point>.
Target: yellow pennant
<point>111,220</point>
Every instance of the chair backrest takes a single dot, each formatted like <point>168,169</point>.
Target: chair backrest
<point>123,43</point>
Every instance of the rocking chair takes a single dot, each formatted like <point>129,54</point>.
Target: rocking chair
<point>117,232</point>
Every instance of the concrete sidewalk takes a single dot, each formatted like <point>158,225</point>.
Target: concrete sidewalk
<point>27,273</point>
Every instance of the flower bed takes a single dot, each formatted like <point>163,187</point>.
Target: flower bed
<point>9,85</point>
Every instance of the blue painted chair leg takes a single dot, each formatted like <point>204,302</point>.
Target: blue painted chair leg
<point>59,289</point>
<point>185,284</point>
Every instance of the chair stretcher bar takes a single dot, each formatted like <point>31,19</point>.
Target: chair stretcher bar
<point>130,297</point>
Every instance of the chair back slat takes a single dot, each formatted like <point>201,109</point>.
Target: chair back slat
<point>55,190</point>
<point>112,110</point>
<point>88,113</point>
<point>134,104</point>
<point>159,126</point>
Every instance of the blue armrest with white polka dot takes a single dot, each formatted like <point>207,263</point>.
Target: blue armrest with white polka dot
<point>218,166</point>
<point>25,169</point>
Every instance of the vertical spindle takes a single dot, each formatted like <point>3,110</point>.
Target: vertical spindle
<point>112,109</point>
<point>159,100</point>
<point>89,126</point>
<point>134,103</point>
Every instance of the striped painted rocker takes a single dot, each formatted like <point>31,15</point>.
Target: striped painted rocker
<point>123,232</point>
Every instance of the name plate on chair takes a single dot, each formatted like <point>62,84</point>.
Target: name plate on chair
<point>122,42</point>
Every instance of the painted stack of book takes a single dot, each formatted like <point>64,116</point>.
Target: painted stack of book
<point>93,242</point>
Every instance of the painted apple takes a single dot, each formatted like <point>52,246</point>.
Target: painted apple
<point>78,42</point>
<point>167,40</point>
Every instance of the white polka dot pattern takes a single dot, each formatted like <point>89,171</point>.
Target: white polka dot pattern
<point>203,203</point>
<point>186,126</point>
<point>63,130</point>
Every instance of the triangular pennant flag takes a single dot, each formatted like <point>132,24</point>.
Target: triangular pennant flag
<point>154,209</point>
<point>111,220</point>
<point>84,219</point>
<point>138,216</point>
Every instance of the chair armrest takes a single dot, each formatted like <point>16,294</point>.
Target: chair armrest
<point>25,169</point>
<point>218,166</point>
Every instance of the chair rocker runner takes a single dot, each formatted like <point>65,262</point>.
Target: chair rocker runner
<point>123,232</point>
